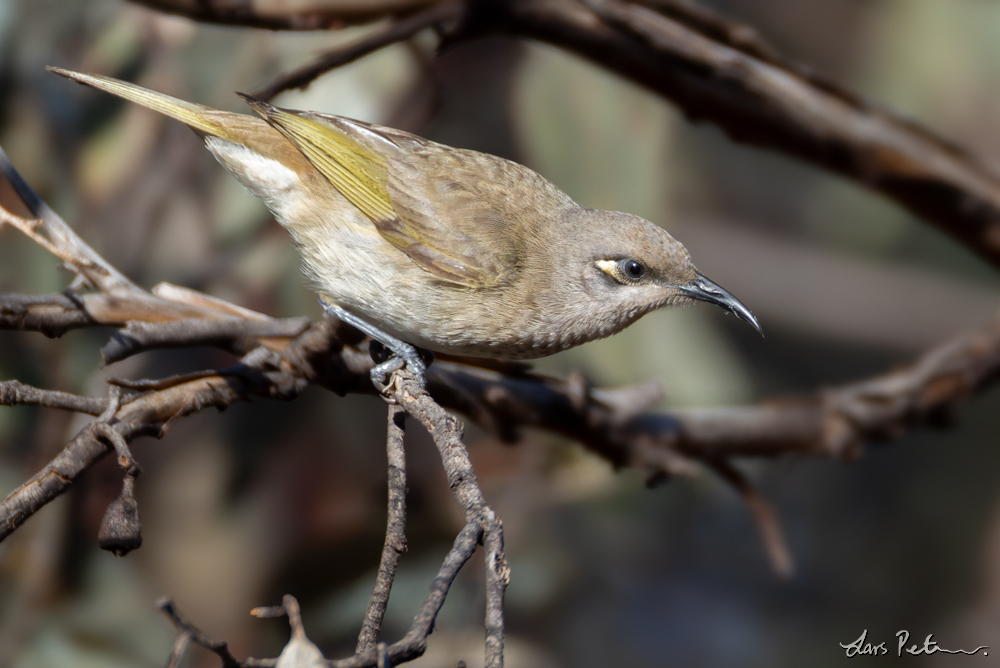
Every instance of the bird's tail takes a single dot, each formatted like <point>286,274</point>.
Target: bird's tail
<point>202,119</point>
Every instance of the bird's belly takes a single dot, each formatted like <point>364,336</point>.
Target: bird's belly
<point>376,282</point>
<point>441,317</point>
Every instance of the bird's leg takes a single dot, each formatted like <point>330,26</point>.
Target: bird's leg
<point>404,354</point>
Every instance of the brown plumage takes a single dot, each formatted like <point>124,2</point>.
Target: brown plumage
<point>448,249</point>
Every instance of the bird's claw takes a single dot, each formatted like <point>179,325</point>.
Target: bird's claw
<point>386,376</point>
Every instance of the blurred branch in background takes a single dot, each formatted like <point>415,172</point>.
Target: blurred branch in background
<point>280,15</point>
<point>438,14</point>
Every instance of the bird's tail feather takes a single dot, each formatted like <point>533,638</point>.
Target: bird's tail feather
<point>202,119</point>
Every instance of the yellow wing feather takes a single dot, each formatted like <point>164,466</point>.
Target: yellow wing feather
<point>357,172</point>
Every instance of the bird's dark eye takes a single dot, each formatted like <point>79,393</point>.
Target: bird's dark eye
<point>633,269</point>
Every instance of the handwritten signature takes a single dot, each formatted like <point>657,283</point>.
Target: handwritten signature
<point>862,647</point>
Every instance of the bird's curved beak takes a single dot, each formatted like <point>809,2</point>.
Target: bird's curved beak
<point>709,291</point>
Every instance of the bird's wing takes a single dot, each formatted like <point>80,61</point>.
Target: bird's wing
<point>422,197</point>
<point>331,144</point>
<point>453,216</point>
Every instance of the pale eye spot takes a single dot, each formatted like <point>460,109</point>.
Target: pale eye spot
<point>626,271</point>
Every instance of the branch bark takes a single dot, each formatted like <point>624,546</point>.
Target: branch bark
<point>395,536</point>
<point>396,31</point>
<point>283,15</point>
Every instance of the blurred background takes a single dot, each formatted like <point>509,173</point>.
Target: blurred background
<point>275,498</point>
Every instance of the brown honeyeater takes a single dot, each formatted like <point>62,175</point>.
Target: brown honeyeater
<point>443,248</point>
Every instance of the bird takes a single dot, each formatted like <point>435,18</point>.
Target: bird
<point>424,246</point>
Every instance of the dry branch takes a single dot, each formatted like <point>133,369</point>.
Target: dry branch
<point>395,537</point>
<point>15,393</point>
<point>833,422</point>
<point>283,15</point>
<point>398,31</point>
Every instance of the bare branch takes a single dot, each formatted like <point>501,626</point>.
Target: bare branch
<point>397,31</point>
<point>219,647</point>
<point>15,393</point>
<point>414,643</point>
<point>447,434</point>
<point>52,233</point>
<point>767,520</point>
<point>497,579</point>
<point>55,314</point>
<point>237,336</point>
<point>395,537</point>
<point>835,422</point>
<point>152,412</point>
<point>282,15</point>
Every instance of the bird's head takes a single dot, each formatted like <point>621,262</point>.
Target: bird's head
<point>632,267</point>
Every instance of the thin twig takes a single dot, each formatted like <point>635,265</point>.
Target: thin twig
<point>396,31</point>
<point>395,537</point>
<point>414,643</point>
<point>219,647</point>
<point>284,15</point>
<point>16,393</point>
<point>768,524</point>
<point>180,646</point>
<point>51,232</point>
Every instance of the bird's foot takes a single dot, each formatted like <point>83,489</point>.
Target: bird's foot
<point>390,354</point>
<point>390,362</point>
